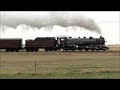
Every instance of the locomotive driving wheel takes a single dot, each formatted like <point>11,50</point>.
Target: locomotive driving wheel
<point>80,49</point>
<point>86,49</point>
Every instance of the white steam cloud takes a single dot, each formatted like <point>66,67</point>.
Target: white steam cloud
<point>48,19</point>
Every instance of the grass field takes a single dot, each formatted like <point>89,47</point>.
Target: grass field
<point>60,65</point>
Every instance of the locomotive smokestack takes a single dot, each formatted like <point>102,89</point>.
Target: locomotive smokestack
<point>36,19</point>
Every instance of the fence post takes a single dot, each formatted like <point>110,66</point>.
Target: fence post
<point>35,66</point>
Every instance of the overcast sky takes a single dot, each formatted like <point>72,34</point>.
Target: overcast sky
<point>107,21</point>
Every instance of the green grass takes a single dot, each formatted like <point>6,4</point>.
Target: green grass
<point>68,65</point>
<point>110,75</point>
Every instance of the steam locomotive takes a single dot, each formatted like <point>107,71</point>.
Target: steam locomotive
<point>55,43</point>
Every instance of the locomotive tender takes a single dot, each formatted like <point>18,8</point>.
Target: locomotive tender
<point>52,43</point>
<point>48,43</point>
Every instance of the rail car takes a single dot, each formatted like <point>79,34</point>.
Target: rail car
<point>11,44</point>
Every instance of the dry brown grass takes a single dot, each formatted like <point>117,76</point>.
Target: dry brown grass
<point>61,64</point>
<point>114,47</point>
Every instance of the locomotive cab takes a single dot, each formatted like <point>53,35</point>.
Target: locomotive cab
<point>61,42</point>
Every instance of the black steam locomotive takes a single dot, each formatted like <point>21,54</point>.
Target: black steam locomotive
<point>85,44</point>
<point>52,43</point>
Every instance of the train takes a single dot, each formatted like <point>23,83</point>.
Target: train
<point>54,44</point>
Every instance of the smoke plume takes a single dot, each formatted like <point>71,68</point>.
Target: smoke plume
<point>48,19</point>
